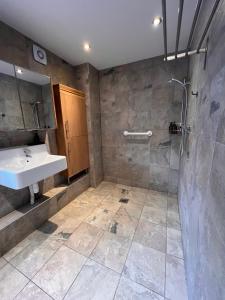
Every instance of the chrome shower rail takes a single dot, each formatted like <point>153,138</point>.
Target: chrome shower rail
<point>147,133</point>
<point>197,10</point>
<point>164,27</point>
<point>208,23</point>
<point>188,51</point>
<point>180,14</point>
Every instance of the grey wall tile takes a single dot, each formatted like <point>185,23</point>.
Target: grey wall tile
<point>201,189</point>
<point>137,97</point>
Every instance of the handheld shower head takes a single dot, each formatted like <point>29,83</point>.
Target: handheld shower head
<point>177,81</point>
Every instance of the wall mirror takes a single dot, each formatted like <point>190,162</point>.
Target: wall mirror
<point>11,116</point>
<point>25,99</point>
<point>35,94</point>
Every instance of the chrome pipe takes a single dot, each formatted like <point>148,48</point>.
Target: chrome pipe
<point>164,27</point>
<point>208,24</point>
<point>180,14</point>
<point>183,54</point>
<point>197,10</point>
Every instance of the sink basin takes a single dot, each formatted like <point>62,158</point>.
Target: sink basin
<point>23,166</point>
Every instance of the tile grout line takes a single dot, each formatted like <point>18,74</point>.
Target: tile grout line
<point>87,258</point>
<point>80,254</point>
<point>75,276</point>
<point>128,251</point>
<point>22,288</point>
<point>37,229</point>
<point>37,287</point>
<point>31,279</point>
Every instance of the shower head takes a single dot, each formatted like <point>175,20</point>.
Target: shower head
<point>176,80</point>
<point>179,82</point>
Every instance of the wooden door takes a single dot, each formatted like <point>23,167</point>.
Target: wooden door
<point>74,121</point>
<point>74,114</point>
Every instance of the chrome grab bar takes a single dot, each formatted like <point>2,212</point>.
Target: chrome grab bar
<point>127,133</point>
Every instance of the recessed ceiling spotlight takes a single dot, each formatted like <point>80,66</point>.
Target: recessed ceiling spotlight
<point>156,21</point>
<point>87,47</point>
<point>19,71</point>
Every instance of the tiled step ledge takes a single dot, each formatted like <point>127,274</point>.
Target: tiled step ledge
<point>15,226</point>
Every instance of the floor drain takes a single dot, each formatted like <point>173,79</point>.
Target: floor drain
<point>124,200</point>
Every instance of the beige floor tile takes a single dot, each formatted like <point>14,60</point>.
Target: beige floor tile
<point>97,225</point>
<point>3,262</point>
<point>123,187</point>
<point>173,204</point>
<point>175,279</point>
<point>136,197</point>
<point>146,266</point>
<point>156,200</point>
<point>74,211</point>
<point>174,244</point>
<point>35,239</point>
<point>173,220</point>
<point>151,235</point>
<point>134,210</point>
<point>11,282</point>
<point>154,215</point>
<point>95,282</point>
<point>34,256</point>
<point>32,292</point>
<point>128,289</point>
<point>88,199</point>
<point>110,204</point>
<point>123,224</point>
<point>106,185</point>
<point>84,238</point>
<point>111,251</point>
<point>58,274</point>
<point>58,219</point>
<point>17,249</point>
<point>101,218</point>
<point>64,231</point>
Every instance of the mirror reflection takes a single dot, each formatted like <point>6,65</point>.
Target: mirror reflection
<point>11,116</point>
<point>35,94</point>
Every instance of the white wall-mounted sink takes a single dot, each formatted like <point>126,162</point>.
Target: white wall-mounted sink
<point>22,167</point>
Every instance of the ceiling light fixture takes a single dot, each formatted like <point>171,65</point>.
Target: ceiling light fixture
<point>156,21</point>
<point>87,47</point>
<point>19,71</point>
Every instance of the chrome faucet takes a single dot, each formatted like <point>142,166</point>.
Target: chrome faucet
<point>27,152</point>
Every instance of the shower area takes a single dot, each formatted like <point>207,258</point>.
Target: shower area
<point>185,89</point>
<point>138,97</point>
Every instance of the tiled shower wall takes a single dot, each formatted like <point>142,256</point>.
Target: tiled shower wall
<point>137,97</point>
<point>202,180</point>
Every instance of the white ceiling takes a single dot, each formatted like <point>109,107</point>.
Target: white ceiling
<point>119,31</point>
